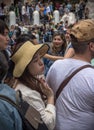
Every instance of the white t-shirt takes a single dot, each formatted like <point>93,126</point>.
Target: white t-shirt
<point>75,104</point>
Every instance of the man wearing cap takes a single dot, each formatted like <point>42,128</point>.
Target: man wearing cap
<point>75,104</point>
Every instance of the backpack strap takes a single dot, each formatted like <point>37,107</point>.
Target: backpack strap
<point>18,104</point>
<point>65,82</point>
<point>13,103</point>
<point>7,99</point>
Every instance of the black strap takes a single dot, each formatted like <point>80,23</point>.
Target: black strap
<point>7,99</point>
<point>64,83</point>
<point>21,106</point>
<point>16,103</point>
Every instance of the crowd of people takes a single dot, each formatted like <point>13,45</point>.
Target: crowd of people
<point>52,67</point>
<point>24,11</point>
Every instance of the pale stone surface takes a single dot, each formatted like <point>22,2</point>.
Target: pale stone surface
<point>36,17</point>
<point>90,5</point>
<point>70,17</point>
<point>12,18</point>
<point>56,16</point>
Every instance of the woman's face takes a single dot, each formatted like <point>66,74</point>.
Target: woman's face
<point>57,41</point>
<point>4,40</point>
<point>36,67</point>
<point>67,36</point>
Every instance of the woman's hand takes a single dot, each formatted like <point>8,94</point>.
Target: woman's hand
<point>47,91</point>
<point>45,88</point>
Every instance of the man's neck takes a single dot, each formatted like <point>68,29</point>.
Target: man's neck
<point>82,57</point>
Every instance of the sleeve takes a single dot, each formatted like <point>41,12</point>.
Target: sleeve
<point>48,113</point>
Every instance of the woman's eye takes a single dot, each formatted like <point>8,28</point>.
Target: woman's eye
<point>35,60</point>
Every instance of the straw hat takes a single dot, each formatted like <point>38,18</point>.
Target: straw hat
<point>24,55</point>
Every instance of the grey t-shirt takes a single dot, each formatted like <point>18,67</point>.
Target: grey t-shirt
<point>75,105</point>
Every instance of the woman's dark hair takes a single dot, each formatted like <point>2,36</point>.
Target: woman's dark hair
<point>32,35</point>
<point>22,39</point>
<point>29,80</point>
<point>25,37</point>
<point>3,26</point>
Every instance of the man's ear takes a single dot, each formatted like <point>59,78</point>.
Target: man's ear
<point>91,45</point>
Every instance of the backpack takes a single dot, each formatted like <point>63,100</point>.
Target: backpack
<point>31,118</point>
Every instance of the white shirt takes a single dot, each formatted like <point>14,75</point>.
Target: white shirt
<point>75,104</point>
<point>34,98</point>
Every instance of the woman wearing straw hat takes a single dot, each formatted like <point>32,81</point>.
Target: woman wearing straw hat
<point>27,68</point>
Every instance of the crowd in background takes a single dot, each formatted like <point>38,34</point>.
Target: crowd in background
<point>24,11</point>
<point>44,32</point>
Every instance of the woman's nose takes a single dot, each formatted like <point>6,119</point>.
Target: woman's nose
<point>41,62</point>
<point>7,38</point>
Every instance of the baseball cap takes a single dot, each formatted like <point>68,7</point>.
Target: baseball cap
<point>83,30</point>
